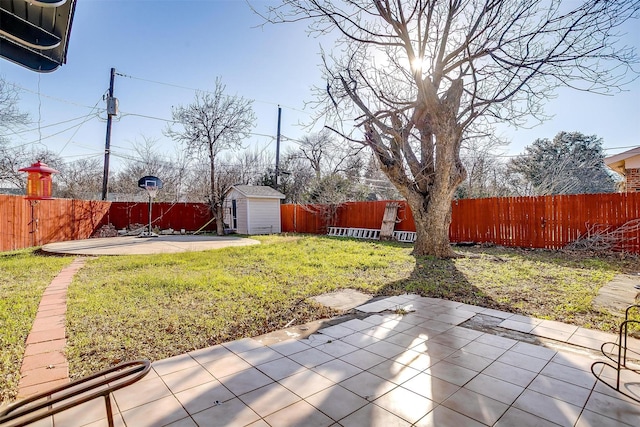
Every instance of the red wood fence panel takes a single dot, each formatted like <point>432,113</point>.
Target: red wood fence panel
<point>315,219</point>
<point>188,216</point>
<point>537,222</point>
<point>543,222</point>
<point>52,221</point>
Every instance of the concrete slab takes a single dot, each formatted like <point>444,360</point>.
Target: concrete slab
<point>130,245</point>
<point>618,294</point>
<point>345,299</point>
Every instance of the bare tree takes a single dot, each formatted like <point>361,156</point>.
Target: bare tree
<point>80,179</point>
<point>10,118</point>
<point>148,159</point>
<point>380,188</point>
<point>13,158</point>
<point>486,172</point>
<point>10,114</point>
<point>328,156</point>
<point>296,177</point>
<point>249,166</point>
<point>197,185</point>
<point>417,77</point>
<point>214,122</point>
<point>335,189</point>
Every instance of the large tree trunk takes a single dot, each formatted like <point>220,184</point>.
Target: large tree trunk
<point>216,200</point>
<point>219,214</point>
<point>429,192</point>
<point>432,218</point>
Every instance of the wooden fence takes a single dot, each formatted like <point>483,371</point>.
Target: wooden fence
<point>188,216</point>
<point>543,222</point>
<point>315,219</point>
<point>536,222</point>
<point>51,221</point>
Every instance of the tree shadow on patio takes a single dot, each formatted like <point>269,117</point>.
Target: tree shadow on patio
<point>441,278</point>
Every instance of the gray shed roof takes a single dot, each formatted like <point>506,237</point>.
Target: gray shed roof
<point>261,191</point>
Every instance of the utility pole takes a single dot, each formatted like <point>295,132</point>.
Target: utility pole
<point>277,184</point>
<point>112,110</point>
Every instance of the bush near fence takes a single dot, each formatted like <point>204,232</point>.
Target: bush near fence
<point>549,222</point>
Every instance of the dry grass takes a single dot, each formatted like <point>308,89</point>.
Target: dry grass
<point>158,306</point>
<point>544,284</point>
<point>154,307</point>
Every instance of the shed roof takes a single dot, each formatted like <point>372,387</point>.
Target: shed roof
<point>617,162</point>
<point>258,191</point>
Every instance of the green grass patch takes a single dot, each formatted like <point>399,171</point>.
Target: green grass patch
<point>122,308</point>
<point>129,307</point>
<point>24,275</point>
<point>544,284</point>
<point>157,306</point>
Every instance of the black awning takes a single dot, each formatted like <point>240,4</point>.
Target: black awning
<point>35,33</point>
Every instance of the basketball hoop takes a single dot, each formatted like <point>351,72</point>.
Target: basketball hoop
<point>151,184</point>
<point>152,190</point>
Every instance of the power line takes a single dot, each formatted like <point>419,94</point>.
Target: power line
<point>78,128</point>
<point>58,133</point>
<point>124,114</point>
<point>522,154</point>
<point>64,101</point>
<point>201,90</point>
<point>85,156</point>
<point>45,127</point>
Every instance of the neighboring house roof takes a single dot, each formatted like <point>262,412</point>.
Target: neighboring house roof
<point>627,160</point>
<point>258,191</point>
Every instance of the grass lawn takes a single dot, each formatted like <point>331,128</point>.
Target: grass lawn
<point>130,307</point>
<point>23,278</point>
<point>123,308</point>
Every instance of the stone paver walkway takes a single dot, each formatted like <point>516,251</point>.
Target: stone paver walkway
<point>44,365</point>
<point>617,294</point>
<point>409,361</point>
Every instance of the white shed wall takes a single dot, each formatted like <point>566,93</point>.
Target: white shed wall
<point>263,216</point>
<point>243,220</point>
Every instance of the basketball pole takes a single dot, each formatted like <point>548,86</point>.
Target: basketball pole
<point>150,201</point>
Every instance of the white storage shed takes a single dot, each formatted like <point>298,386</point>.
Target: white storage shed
<point>253,209</point>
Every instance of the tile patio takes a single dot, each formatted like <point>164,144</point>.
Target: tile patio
<point>420,368</point>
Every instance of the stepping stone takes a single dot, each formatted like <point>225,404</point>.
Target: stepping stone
<point>618,294</point>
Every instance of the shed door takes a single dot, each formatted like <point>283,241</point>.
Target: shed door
<point>234,214</point>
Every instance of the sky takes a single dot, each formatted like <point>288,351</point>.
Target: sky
<point>162,50</point>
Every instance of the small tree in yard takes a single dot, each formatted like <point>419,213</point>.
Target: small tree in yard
<point>418,77</point>
<point>212,123</point>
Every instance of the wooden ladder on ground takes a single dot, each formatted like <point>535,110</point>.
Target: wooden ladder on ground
<point>389,221</point>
